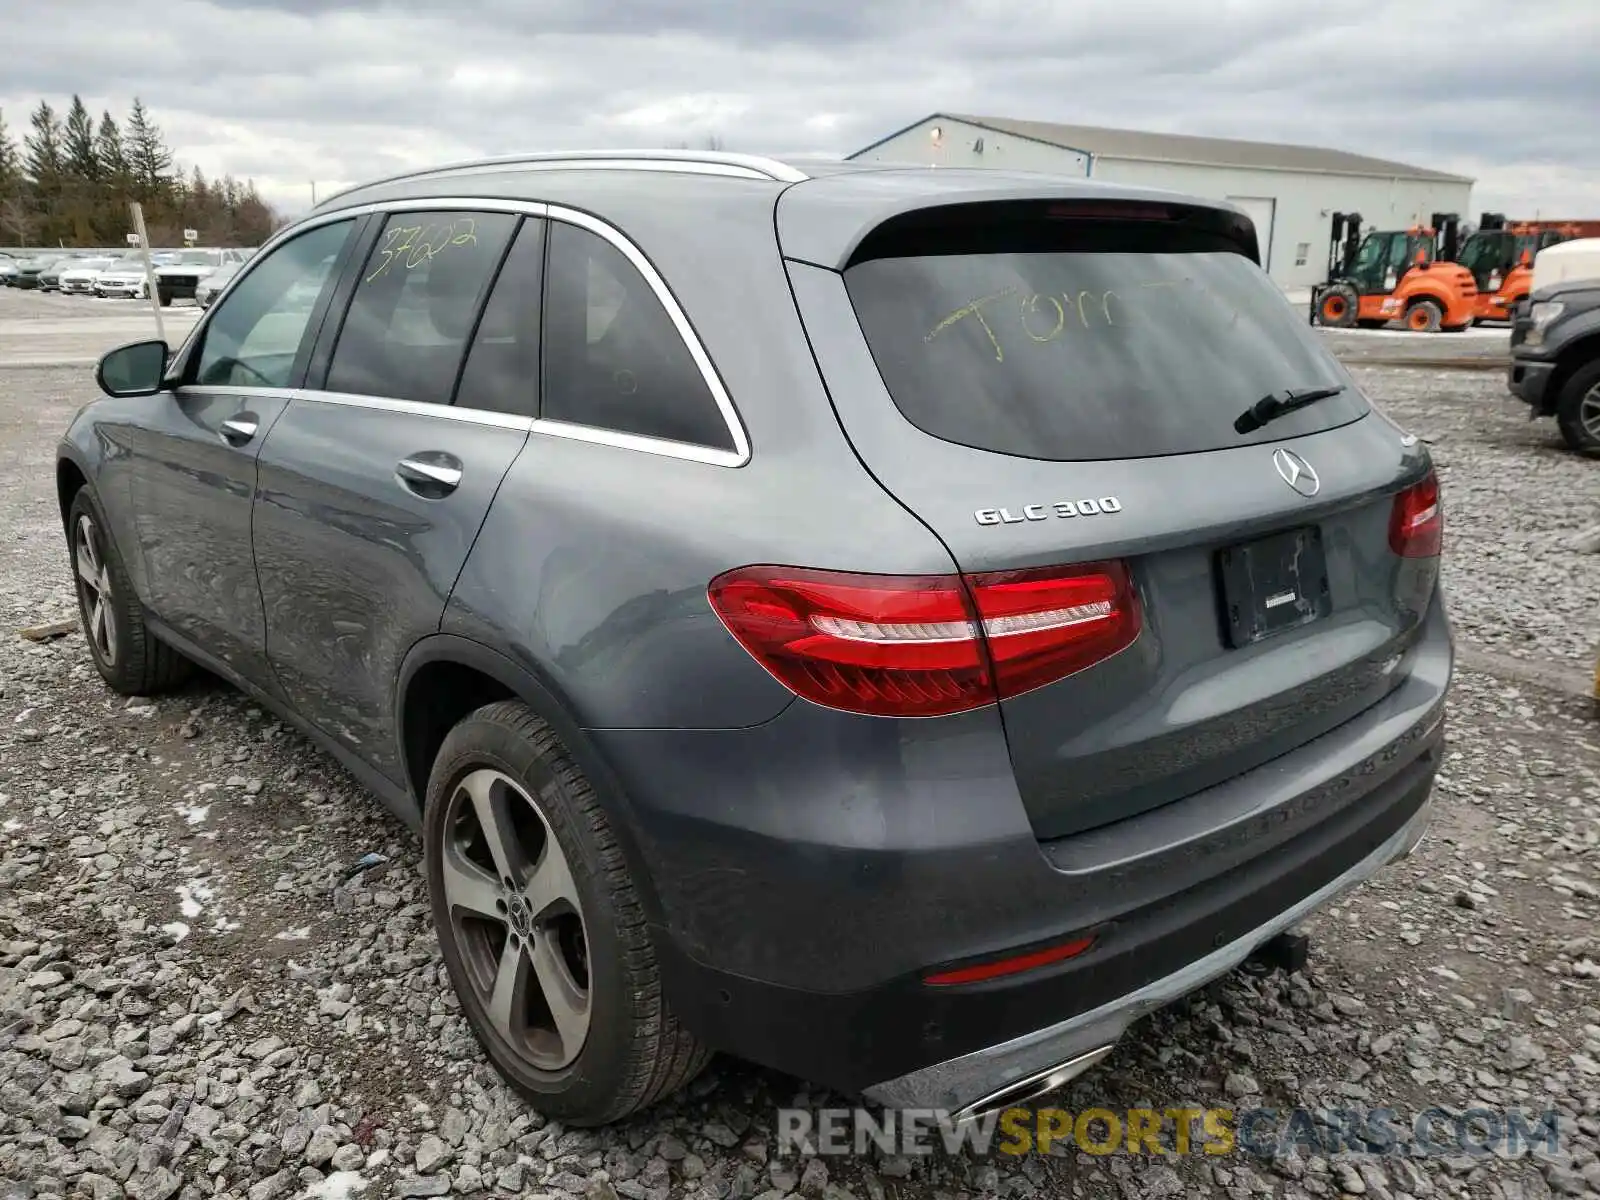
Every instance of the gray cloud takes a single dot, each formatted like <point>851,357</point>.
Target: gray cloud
<point>289,91</point>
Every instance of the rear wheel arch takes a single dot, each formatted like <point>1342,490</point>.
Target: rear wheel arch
<point>444,678</point>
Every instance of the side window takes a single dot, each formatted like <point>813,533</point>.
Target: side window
<point>613,359</point>
<point>502,372</point>
<point>414,305</point>
<point>254,335</point>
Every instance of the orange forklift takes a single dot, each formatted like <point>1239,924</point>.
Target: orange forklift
<point>1406,275</point>
<point>1500,256</point>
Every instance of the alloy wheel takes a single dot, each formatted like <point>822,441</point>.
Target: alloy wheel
<point>1589,412</point>
<point>516,919</point>
<point>94,586</point>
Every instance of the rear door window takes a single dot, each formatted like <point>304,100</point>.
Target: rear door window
<point>1082,355</point>
<point>415,304</point>
<point>502,371</point>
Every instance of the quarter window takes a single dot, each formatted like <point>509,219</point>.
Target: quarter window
<point>415,303</point>
<point>613,359</point>
<point>502,371</point>
<point>254,336</point>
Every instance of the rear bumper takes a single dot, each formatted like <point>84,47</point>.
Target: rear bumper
<point>1064,1050</point>
<point>1529,381</point>
<point>808,872</point>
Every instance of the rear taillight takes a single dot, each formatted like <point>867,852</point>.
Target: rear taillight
<point>925,645</point>
<point>1416,524</point>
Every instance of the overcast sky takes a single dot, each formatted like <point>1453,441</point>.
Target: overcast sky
<point>290,91</point>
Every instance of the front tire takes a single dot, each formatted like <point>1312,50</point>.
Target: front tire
<point>131,659</point>
<point>1578,410</point>
<point>541,927</point>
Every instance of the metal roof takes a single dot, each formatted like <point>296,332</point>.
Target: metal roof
<point>1188,150</point>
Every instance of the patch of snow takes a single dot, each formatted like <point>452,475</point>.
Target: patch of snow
<point>224,925</point>
<point>293,935</point>
<point>11,826</point>
<point>195,815</point>
<point>341,1185</point>
<point>177,930</point>
<point>191,897</point>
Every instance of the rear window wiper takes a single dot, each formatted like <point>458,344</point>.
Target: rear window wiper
<point>1279,404</point>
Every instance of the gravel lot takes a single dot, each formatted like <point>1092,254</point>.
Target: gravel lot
<point>195,1000</point>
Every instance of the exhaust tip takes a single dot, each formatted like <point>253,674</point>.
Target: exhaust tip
<point>1031,1087</point>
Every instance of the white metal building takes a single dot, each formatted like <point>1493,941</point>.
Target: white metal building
<point>1290,192</point>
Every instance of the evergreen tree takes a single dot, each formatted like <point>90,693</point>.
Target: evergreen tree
<point>149,160</point>
<point>43,164</point>
<point>11,179</point>
<point>81,159</point>
<point>44,160</point>
<point>109,153</point>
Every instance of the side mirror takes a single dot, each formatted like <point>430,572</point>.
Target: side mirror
<point>136,369</point>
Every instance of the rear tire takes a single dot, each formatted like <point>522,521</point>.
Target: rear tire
<point>1578,410</point>
<point>1424,316</point>
<point>1338,306</point>
<point>131,659</point>
<point>541,927</point>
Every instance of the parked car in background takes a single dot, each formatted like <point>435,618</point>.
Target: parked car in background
<point>1555,342</point>
<point>27,272</point>
<point>124,278</point>
<point>80,277</point>
<point>206,290</point>
<point>180,278</point>
<point>1095,664</point>
<point>50,277</point>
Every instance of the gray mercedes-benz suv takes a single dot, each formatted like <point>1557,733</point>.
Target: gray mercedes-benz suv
<point>895,625</point>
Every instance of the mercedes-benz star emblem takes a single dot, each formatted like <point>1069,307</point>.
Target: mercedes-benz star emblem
<point>1296,472</point>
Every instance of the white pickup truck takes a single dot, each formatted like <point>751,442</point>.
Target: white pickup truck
<point>180,279</point>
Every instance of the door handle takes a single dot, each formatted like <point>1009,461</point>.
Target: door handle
<point>240,429</point>
<point>431,475</point>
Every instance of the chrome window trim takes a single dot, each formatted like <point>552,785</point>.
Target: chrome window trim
<point>712,455</point>
<point>216,389</point>
<point>419,408</point>
<point>633,441</point>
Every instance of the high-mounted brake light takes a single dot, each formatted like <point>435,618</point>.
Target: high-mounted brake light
<point>1109,212</point>
<point>925,645</point>
<point>1416,524</point>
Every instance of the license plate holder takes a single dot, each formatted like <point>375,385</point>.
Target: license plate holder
<point>1273,584</point>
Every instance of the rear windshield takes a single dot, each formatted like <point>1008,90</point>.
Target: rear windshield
<point>1081,355</point>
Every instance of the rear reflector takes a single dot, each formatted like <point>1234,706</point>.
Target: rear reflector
<point>1416,525</point>
<point>1014,965</point>
<point>925,645</point>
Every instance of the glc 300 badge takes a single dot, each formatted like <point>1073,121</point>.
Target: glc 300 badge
<point>1104,506</point>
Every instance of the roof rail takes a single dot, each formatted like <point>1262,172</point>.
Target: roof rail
<point>750,166</point>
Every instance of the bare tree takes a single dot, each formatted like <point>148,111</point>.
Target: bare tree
<point>16,220</point>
